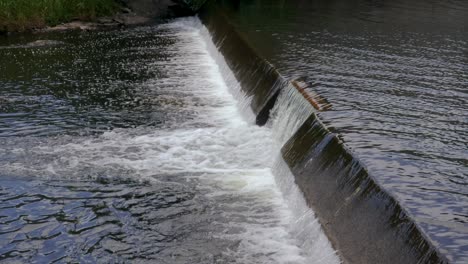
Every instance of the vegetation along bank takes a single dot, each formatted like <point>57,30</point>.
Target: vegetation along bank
<point>23,15</point>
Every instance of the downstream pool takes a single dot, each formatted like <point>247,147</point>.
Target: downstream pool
<point>129,145</point>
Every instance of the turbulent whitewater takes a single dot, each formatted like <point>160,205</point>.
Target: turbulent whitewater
<point>143,150</point>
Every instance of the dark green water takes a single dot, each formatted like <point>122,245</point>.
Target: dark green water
<point>396,73</point>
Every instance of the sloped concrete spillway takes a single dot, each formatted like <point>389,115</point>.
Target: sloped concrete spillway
<point>129,146</point>
<point>364,222</point>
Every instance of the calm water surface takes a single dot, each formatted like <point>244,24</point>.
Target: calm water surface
<point>396,73</point>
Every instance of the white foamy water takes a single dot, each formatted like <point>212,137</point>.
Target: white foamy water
<point>252,211</point>
<point>289,113</point>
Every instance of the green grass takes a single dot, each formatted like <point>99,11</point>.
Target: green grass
<point>20,15</point>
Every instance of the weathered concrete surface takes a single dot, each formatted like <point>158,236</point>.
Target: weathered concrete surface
<point>363,221</point>
<point>258,78</point>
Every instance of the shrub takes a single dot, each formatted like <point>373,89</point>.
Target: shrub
<point>20,15</point>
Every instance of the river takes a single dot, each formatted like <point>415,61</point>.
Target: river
<point>396,74</point>
<point>137,145</point>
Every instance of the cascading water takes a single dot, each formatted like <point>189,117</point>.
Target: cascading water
<point>203,187</point>
<point>396,168</point>
<point>326,173</point>
<point>290,111</point>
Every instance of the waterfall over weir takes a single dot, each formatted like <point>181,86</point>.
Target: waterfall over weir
<point>202,185</point>
<point>365,223</point>
<point>176,143</point>
<point>286,117</point>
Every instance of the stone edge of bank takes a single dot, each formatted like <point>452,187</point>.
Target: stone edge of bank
<point>128,13</point>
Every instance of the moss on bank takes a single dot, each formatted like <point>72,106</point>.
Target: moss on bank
<point>21,15</point>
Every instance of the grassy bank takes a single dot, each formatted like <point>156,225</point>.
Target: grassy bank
<point>20,15</point>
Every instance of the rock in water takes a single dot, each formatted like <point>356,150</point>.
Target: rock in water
<point>43,43</point>
<point>35,44</point>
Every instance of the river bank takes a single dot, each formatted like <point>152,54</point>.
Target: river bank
<point>25,15</point>
<point>52,15</point>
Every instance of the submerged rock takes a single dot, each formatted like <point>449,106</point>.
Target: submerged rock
<point>35,44</point>
<point>80,25</point>
<point>122,19</point>
<point>44,43</point>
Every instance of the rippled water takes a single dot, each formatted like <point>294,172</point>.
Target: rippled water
<point>128,146</point>
<point>396,73</point>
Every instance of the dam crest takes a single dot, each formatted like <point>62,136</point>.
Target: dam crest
<point>349,202</point>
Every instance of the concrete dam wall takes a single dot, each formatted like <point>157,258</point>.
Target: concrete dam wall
<point>364,222</point>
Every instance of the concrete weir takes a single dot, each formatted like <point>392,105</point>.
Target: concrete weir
<point>364,222</point>
<point>258,78</point>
